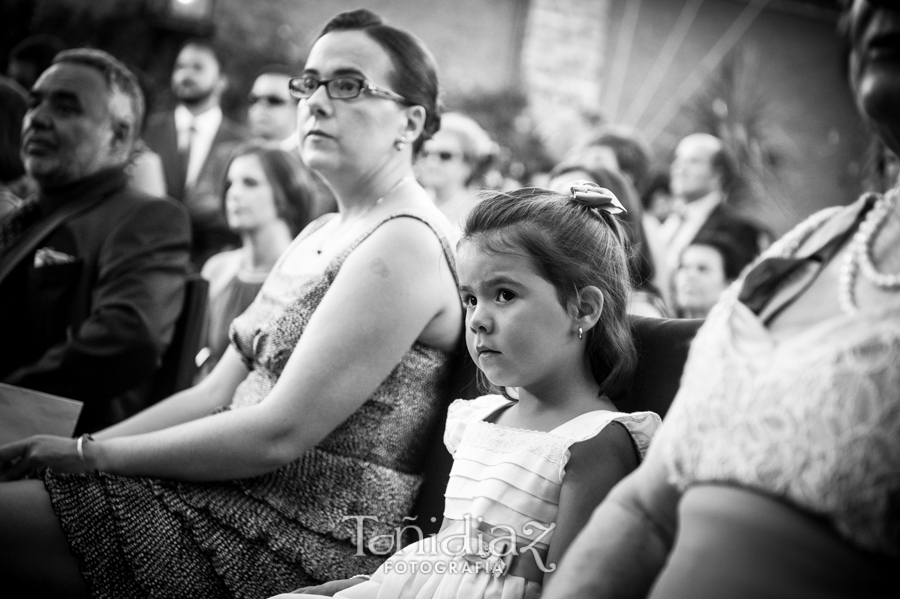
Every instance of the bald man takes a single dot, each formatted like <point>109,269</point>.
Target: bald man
<point>700,175</point>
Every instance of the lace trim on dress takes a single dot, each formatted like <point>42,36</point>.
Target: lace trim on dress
<point>814,419</point>
<point>503,439</point>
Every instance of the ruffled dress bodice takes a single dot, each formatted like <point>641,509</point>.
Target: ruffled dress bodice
<point>500,506</point>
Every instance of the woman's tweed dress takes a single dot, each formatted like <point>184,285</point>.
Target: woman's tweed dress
<point>140,537</point>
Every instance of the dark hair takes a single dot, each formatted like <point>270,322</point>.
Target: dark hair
<point>298,192</point>
<point>415,70</point>
<point>734,256</point>
<point>121,82</point>
<point>572,247</point>
<point>631,154</point>
<point>658,181</point>
<point>37,50</point>
<point>640,261</point>
<point>13,105</point>
<point>207,45</point>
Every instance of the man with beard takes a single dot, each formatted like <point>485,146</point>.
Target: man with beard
<point>92,271</point>
<point>194,141</point>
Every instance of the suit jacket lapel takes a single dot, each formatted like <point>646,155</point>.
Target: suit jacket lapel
<point>13,255</point>
<point>170,157</point>
<point>226,134</point>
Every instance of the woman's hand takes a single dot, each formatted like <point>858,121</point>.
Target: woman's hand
<point>21,459</point>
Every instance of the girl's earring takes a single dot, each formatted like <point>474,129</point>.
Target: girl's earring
<point>580,333</point>
<point>400,142</point>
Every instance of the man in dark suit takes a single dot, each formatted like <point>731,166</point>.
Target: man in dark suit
<point>194,142</point>
<point>701,175</point>
<point>92,272</point>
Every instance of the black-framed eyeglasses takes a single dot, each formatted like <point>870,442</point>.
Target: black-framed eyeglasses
<point>340,88</point>
<point>271,100</point>
<point>443,155</point>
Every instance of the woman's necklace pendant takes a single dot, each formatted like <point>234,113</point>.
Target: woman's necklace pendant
<point>368,209</point>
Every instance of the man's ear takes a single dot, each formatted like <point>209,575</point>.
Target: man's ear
<point>121,134</point>
<point>587,307</point>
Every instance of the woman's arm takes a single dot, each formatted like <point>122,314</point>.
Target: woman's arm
<point>213,392</point>
<point>385,295</point>
<point>28,456</point>
<point>627,540</point>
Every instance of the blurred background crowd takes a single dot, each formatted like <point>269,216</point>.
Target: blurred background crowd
<point>157,200</point>
<point>702,115</point>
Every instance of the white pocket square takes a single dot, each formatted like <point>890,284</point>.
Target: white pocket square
<point>49,256</point>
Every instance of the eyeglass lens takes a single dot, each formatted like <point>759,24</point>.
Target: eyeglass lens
<point>339,88</point>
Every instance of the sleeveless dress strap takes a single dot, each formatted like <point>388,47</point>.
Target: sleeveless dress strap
<point>445,244</point>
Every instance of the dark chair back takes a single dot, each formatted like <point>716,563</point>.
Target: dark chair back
<point>662,346</point>
<point>176,371</point>
<point>178,364</point>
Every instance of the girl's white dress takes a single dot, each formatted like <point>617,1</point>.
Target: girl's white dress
<point>501,504</point>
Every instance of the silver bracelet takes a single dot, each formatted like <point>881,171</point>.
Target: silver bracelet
<point>79,447</point>
<point>363,576</point>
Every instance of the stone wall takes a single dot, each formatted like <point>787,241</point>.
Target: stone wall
<point>563,68</point>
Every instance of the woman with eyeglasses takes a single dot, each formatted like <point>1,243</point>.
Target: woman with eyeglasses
<point>301,452</point>
<point>452,162</point>
<point>776,473</point>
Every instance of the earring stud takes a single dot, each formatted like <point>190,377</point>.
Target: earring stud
<point>400,142</point>
<point>580,333</point>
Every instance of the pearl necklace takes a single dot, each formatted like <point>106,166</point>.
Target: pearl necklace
<point>368,209</point>
<point>858,258</point>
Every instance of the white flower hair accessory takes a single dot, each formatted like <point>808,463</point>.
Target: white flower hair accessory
<point>591,195</point>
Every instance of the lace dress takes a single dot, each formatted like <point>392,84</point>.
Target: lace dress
<point>501,503</point>
<point>295,526</point>
<point>813,420</point>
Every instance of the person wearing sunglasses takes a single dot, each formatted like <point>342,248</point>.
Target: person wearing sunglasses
<point>272,111</point>
<point>253,482</point>
<point>776,472</point>
<point>451,164</point>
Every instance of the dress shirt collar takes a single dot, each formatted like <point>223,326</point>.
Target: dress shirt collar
<point>205,122</point>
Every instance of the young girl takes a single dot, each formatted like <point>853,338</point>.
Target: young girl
<point>544,281</point>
